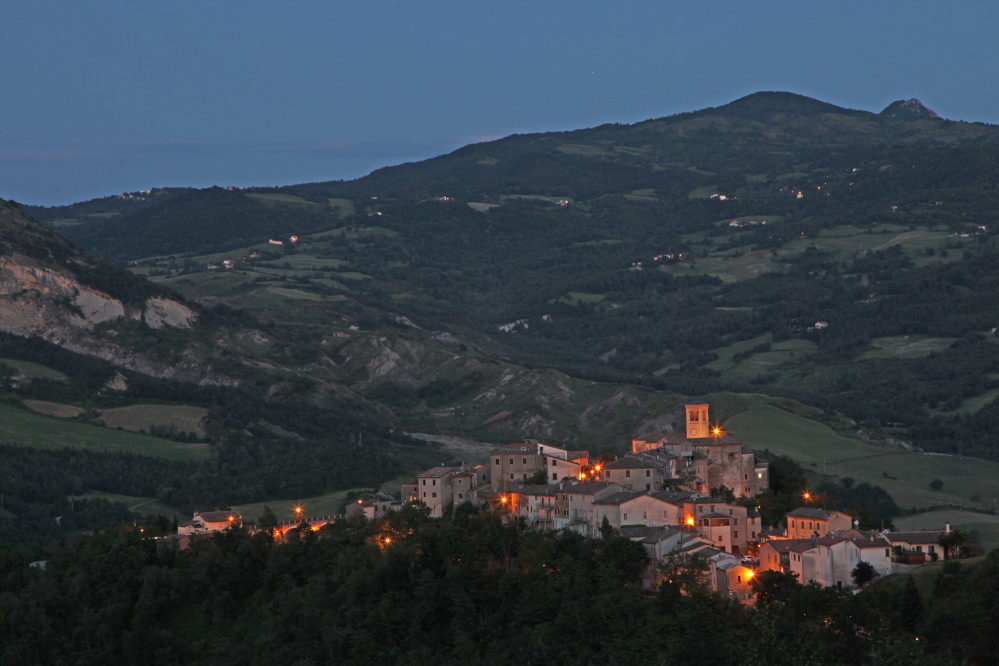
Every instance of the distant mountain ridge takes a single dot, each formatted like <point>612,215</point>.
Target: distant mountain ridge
<point>910,109</point>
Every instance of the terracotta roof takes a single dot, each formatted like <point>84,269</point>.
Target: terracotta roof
<point>629,462</point>
<point>673,496</point>
<point>785,545</point>
<point>618,498</point>
<point>588,487</point>
<point>813,514</point>
<point>830,540</point>
<point>870,543</point>
<point>436,472</point>
<point>218,516</point>
<point>534,490</point>
<point>652,436</point>
<point>651,531</point>
<point>915,537</point>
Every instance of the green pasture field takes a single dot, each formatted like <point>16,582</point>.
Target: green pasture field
<point>812,444</point>
<point>67,222</point>
<point>323,505</point>
<point>746,219</point>
<point>760,363</point>
<point>905,346</point>
<point>986,525</point>
<point>647,192</point>
<point>606,241</point>
<point>725,354</point>
<point>727,268</point>
<point>925,575</point>
<point>306,262</point>
<point>348,275</point>
<point>54,408</point>
<point>577,297</point>
<point>354,233</point>
<point>703,192</point>
<point>143,417</point>
<point>33,369</point>
<point>541,197</point>
<point>281,198</point>
<point>144,506</point>
<point>481,207</point>
<point>581,150</point>
<point>972,405</point>
<point>46,432</point>
<point>764,362</point>
<point>346,206</point>
<point>295,294</point>
<point>213,283</point>
<point>845,246</point>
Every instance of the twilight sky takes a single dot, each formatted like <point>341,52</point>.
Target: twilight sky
<point>102,97</point>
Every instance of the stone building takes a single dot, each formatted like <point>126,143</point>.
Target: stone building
<point>804,523</point>
<point>515,463</point>
<point>707,457</point>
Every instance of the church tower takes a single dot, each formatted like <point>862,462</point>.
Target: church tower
<point>697,421</point>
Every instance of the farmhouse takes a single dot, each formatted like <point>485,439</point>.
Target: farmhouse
<point>210,521</point>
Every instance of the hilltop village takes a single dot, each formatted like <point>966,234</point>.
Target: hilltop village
<point>678,494</point>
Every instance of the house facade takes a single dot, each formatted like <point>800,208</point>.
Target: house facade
<point>707,457</point>
<point>804,523</point>
<point>515,463</point>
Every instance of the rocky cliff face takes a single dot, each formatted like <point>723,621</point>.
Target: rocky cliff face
<point>908,109</point>
<point>52,304</point>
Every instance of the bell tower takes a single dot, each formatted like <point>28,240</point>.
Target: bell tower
<point>697,421</point>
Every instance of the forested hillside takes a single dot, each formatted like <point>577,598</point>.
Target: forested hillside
<point>464,589</point>
<point>693,253</point>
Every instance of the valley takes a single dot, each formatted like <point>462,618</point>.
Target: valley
<point>581,300</point>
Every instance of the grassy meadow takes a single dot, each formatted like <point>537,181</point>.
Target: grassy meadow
<point>143,417</point>
<point>47,432</point>
<point>822,450</point>
<point>54,408</point>
<point>33,369</point>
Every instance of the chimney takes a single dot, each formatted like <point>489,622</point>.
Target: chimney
<point>947,527</point>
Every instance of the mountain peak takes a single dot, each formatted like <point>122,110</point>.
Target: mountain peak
<point>783,102</point>
<point>911,109</point>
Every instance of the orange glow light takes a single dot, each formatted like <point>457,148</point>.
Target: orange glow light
<point>749,574</point>
<point>690,521</point>
<point>503,499</point>
<point>298,509</point>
